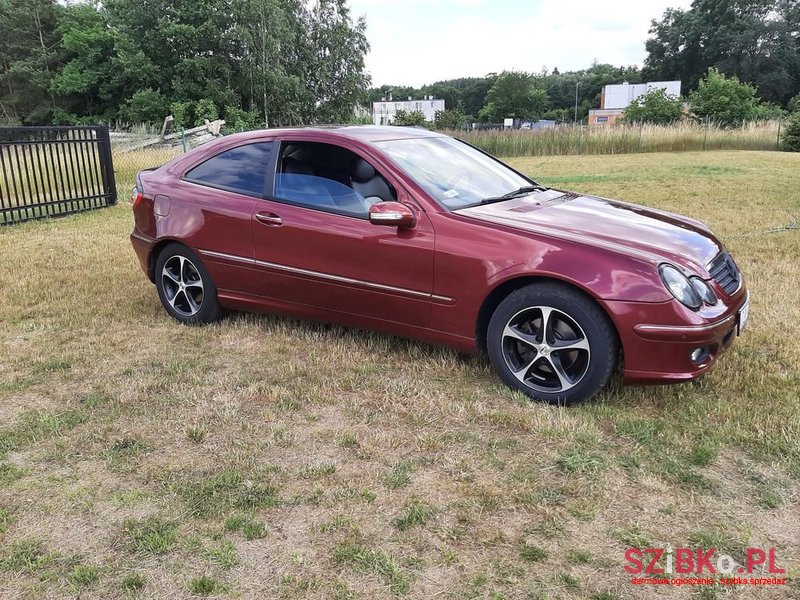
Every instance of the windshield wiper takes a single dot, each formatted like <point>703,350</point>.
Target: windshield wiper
<point>523,191</point>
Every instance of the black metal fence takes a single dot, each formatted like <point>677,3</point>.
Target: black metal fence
<point>51,171</point>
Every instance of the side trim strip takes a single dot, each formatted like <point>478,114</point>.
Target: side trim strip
<point>642,328</point>
<point>142,238</point>
<point>329,277</point>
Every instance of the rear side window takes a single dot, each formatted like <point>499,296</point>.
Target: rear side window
<point>242,169</point>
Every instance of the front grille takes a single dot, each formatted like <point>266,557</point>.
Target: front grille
<point>723,270</point>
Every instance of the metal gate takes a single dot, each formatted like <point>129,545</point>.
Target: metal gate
<point>52,171</point>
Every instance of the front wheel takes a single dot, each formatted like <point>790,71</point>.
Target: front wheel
<point>185,287</point>
<point>552,343</point>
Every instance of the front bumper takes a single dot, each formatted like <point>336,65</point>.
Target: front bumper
<point>658,338</point>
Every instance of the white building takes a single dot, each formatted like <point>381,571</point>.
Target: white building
<point>383,113</point>
<point>622,94</point>
<point>614,99</point>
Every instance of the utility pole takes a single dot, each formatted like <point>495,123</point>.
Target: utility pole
<point>577,83</point>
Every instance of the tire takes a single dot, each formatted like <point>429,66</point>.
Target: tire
<point>185,287</point>
<point>578,357</point>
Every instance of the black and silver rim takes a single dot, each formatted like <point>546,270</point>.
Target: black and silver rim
<point>546,349</point>
<point>183,285</point>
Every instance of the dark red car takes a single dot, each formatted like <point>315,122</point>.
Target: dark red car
<point>420,235</point>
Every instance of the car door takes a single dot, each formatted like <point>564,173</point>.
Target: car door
<point>312,252</point>
<point>218,196</point>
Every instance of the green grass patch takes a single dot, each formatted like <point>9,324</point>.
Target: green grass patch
<point>227,490</point>
<point>205,585</point>
<point>6,519</point>
<point>33,426</point>
<point>133,582</point>
<point>196,435</point>
<point>124,451</point>
<point>151,535</point>
<point>416,513</point>
<point>357,554</point>
<point>10,473</point>
<point>580,460</point>
<point>25,556</point>
<point>317,471</point>
<point>533,553</point>
<point>399,475</point>
<point>224,555</point>
<point>579,557</point>
<point>83,576</point>
<point>631,536</point>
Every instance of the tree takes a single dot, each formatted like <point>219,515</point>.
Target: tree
<point>513,95</point>
<point>443,91</point>
<point>656,106</point>
<point>102,69</point>
<point>29,58</point>
<point>414,118</point>
<point>450,119</point>
<point>145,106</point>
<point>335,73</point>
<point>754,40</point>
<point>205,110</point>
<point>473,94</point>
<point>724,99</point>
<point>791,134</point>
<point>190,46</point>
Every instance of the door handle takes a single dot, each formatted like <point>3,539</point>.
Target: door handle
<point>268,218</point>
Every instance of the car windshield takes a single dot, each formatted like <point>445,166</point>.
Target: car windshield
<point>452,172</point>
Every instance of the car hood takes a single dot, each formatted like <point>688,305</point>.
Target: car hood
<point>653,235</point>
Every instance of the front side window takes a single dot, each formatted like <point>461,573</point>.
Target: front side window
<point>242,169</point>
<point>329,178</point>
<point>452,172</point>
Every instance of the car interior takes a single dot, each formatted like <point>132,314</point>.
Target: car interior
<point>330,178</point>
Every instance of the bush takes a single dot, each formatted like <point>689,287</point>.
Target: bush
<point>145,106</point>
<point>724,99</point>
<point>794,104</point>
<point>791,135</point>
<point>656,106</point>
<point>767,111</point>
<point>205,109</point>
<point>181,113</point>
<point>241,120</point>
<point>450,119</point>
<point>410,119</point>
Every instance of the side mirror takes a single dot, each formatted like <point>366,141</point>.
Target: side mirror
<point>393,214</point>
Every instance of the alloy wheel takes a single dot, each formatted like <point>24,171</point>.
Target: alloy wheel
<point>183,285</point>
<point>546,349</point>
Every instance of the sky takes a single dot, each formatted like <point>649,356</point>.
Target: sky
<point>414,42</point>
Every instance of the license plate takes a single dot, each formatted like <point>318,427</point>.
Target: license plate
<point>744,312</point>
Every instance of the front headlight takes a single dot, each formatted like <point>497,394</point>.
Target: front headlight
<point>680,286</point>
<point>703,290</point>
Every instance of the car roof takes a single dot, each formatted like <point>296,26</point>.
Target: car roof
<point>367,133</point>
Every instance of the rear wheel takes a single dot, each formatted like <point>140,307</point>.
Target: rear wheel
<point>185,287</point>
<point>552,343</point>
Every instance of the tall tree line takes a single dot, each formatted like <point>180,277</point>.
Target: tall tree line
<point>757,41</point>
<point>546,94</point>
<point>278,62</point>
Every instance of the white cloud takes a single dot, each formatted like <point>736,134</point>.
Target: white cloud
<point>416,41</point>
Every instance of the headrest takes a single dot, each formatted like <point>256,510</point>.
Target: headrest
<point>292,165</point>
<point>363,171</point>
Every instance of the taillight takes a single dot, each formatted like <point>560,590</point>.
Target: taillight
<point>136,197</point>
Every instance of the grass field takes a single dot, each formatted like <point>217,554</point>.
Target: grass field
<point>263,457</point>
<point>625,138</point>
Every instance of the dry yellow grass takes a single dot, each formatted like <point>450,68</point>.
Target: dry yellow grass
<point>263,457</point>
